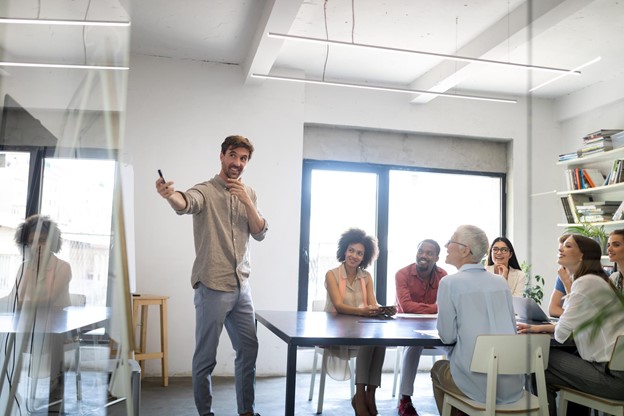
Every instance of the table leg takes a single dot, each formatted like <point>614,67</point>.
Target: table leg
<point>143,337</point>
<point>291,379</point>
<point>163,342</point>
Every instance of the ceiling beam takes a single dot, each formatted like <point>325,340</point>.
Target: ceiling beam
<point>509,31</point>
<point>277,16</point>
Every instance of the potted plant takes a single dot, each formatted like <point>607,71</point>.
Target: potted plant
<point>597,232</point>
<point>534,288</point>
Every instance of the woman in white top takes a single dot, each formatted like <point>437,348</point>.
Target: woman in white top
<point>615,250</point>
<point>591,294</point>
<point>502,260</point>
<point>350,290</point>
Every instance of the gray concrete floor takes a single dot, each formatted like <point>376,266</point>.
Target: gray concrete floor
<point>177,398</point>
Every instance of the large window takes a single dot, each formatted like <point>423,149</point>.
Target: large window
<point>78,195</point>
<point>401,206</point>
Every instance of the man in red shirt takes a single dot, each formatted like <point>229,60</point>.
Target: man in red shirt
<point>416,292</point>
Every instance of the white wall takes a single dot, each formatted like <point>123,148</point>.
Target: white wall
<point>179,112</point>
<point>178,115</point>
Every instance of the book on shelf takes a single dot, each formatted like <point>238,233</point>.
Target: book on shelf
<point>595,218</point>
<point>568,156</point>
<point>567,210</point>
<point>581,178</point>
<point>617,139</point>
<point>615,174</point>
<point>598,208</point>
<point>601,133</point>
<point>619,213</point>
<point>575,200</point>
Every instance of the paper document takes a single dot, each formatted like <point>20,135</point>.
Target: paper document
<point>417,315</point>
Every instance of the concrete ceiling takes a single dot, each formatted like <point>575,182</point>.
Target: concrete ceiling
<point>553,33</point>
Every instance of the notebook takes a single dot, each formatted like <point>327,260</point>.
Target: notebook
<point>528,310</point>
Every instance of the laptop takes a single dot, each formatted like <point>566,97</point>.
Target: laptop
<point>529,311</point>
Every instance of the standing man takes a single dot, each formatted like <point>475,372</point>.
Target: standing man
<point>471,302</point>
<point>224,215</point>
<point>416,292</point>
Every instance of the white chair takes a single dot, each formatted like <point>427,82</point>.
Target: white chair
<point>319,305</point>
<point>506,354</point>
<point>610,406</point>
<point>398,362</point>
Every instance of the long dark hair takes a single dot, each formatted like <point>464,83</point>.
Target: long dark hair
<point>513,260</point>
<point>592,252</point>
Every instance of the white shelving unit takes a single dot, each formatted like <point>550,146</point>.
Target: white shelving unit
<point>602,161</point>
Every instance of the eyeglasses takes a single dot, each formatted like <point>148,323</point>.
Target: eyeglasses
<point>503,250</point>
<point>456,242</point>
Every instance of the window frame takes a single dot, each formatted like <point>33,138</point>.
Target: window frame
<point>383,183</point>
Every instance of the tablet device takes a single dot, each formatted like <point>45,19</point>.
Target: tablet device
<point>386,311</point>
<point>528,310</point>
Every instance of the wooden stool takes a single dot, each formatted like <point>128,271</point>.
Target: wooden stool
<point>141,353</point>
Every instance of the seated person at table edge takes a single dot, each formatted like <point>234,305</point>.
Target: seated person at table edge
<point>502,260</point>
<point>483,301</point>
<point>416,292</point>
<point>42,282</point>
<point>562,286</point>
<point>591,293</point>
<point>350,290</point>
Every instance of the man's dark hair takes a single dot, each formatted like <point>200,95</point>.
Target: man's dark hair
<point>433,243</point>
<point>234,142</point>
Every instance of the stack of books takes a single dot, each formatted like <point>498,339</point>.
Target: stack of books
<point>599,141</point>
<point>568,156</point>
<point>597,211</point>
<point>570,203</point>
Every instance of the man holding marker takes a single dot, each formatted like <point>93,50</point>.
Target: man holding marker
<point>224,216</point>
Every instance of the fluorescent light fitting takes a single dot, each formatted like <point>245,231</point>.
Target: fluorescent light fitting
<point>543,84</point>
<point>67,66</point>
<point>381,88</point>
<point>63,22</point>
<point>437,55</point>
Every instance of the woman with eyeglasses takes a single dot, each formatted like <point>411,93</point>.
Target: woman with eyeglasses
<point>502,260</point>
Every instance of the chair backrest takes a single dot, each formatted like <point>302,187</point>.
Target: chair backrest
<point>513,353</point>
<point>617,357</point>
<point>77,299</point>
<point>318,305</point>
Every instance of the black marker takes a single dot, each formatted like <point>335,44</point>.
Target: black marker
<point>161,176</point>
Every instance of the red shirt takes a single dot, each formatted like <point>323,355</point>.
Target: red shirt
<point>415,294</point>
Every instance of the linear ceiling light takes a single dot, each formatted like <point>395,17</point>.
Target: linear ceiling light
<point>62,22</point>
<point>437,55</point>
<point>67,66</point>
<point>380,88</point>
<point>543,84</point>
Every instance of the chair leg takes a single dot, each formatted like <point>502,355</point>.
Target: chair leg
<point>319,407</point>
<point>562,407</point>
<point>446,408</point>
<point>313,376</point>
<point>352,379</point>
<point>78,374</point>
<point>397,369</point>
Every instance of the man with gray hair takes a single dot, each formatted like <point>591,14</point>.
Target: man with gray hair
<point>471,302</point>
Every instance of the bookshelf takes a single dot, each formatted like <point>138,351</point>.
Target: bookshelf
<point>604,162</point>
